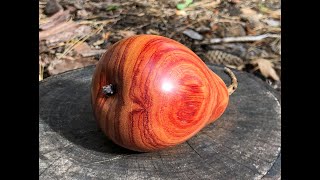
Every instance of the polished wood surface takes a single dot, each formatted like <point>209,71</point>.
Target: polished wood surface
<point>164,95</point>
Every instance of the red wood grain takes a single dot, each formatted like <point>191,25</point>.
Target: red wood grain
<point>165,93</point>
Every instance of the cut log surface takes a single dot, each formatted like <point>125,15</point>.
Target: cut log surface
<point>244,143</point>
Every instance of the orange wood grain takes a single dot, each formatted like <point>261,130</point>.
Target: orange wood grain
<point>165,93</point>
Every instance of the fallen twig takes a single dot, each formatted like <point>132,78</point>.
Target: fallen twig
<point>95,23</point>
<point>40,72</point>
<point>229,21</point>
<point>243,38</point>
<point>234,82</point>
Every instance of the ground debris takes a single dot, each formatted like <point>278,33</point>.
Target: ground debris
<point>266,68</point>
<point>55,19</point>
<point>220,57</point>
<point>64,32</point>
<point>126,33</point>
<point>52,7</point>
<point>243,39</point>
<point>272,22</point>
<point>246,30</point>
<point>61,65</point>
<point>193,34</point>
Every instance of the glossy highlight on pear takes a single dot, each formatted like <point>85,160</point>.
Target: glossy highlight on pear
<point>164,93</point>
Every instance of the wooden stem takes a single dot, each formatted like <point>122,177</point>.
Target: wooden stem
<point>234,82</point>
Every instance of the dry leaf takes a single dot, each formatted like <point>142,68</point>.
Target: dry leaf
<point>62,27</point>
<point>152,31</point>
<point>266,68</point>
<point>181,13</point>
<point>106,35</point>
<point>82,48</point>
<point>140,14</point>
<point>192,34</point>
<point>63,34</point>
<point>126,34</point>
<point>83,14</point>
<point>273,14</point>
<point>59,17</point>
<point>253,20</point>
<point>276,14</point>
<point>99,42</point>
<point>40,72</point>
<point>52,7</point>
<point>203,4</point>
<point>248,12</point>
<point>92,52</point>
<point>235,1</point>
<point>85,50</point>
<point>62,65</point>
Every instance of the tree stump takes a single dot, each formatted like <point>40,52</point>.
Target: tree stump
<point>244,143</point>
